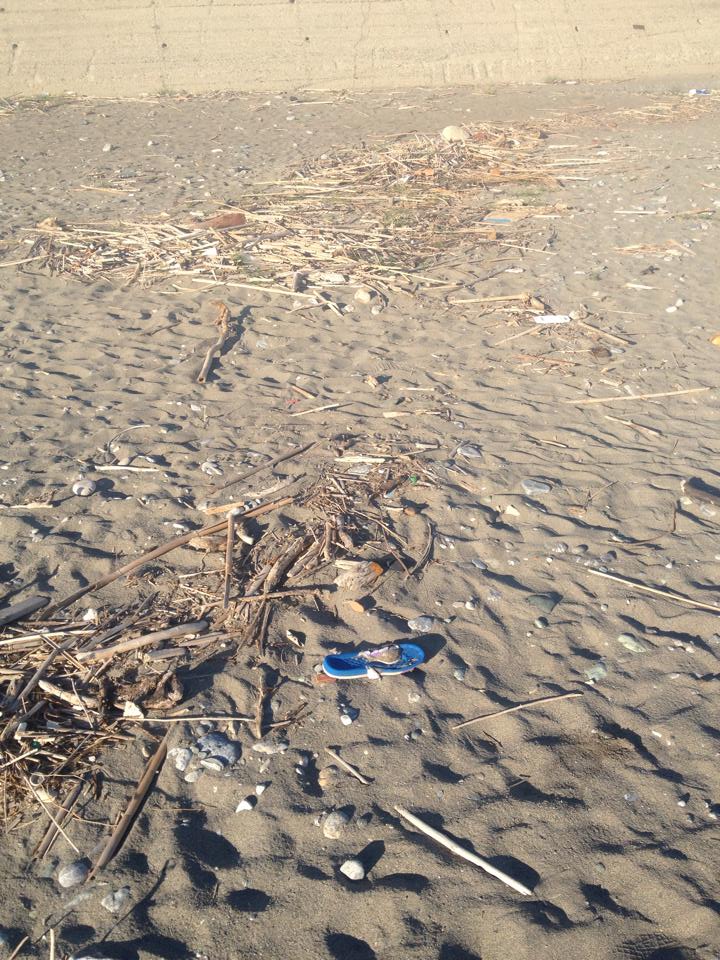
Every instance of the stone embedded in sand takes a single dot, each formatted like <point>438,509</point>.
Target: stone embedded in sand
<point>363,296</point>
<point>533,486</point>
<point>182,757</point>
<point>84,488</point>
<point>219,748</point>
<point>454,134</point>
<point>544,602</point>
<point>328,777</point>
<point>541,623</point>
<point>335,824</point>
<point>353,870</point>
<point>74,873</point>
<point>116,900</point>
<point>598,671</point>
<point>422,624</point>
<point>632,643</point>
<point>470,450</point>
<point>249,803</point>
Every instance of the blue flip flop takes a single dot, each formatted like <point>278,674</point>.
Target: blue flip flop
<point>352,666</point>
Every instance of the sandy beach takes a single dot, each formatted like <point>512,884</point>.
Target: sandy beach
<point>506,427</point>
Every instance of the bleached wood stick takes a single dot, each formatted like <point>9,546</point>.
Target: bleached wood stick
<point>353,771</point>
<point>460,851</point>
<point>675,597</point>
<point>637,396</point>
<point>518,706</point>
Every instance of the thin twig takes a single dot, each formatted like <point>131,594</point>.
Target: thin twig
<point>638,396</point>
<point>519,706</point>
<point>666,594</point>
<point>353,771</point>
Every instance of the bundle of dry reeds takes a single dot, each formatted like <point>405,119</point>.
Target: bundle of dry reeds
<point>71,687</point>
<point>353,217</point>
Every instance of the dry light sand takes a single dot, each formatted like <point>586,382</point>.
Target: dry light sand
<point>606,806</point>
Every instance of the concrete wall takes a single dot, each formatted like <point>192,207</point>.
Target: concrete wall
<point>127,47</point>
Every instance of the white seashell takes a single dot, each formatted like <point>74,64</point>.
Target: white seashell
<point>74,873</point>
<point>183,756</point>
<point>115,901</point>
<point>211,468</point>
<point>453,134</point>
<point>84,488</point>
<point>345,719</point>
<point>260,788</point>
<point>353,870</point>
<point>335,824</point>
<point>90,615</point>
<point>248,803</point>
<point>363,296</point>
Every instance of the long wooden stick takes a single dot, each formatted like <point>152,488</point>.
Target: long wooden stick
<point>117,837</point>
<point>182,630</point>
<point>518,706</point>
<point>160,552</point>
<point>353,771</point>
<point>18,611</point>
<point>53,830</point>
<point>228,559</point>
<point>638,396</point>
<point>463,852</point>
<point>666,594</point>
<point>268,464</point>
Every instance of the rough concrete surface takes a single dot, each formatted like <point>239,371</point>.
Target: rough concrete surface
<point>129,47</point>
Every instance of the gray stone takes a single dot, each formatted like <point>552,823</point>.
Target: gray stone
<point>353,870</point>
<point>532,486</point>
<point>335,824</point>
<point>632,643</point>
<point>544,602</point>
<point>74,873</point>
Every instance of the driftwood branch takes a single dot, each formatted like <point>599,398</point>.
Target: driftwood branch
<point>223,324</point>
<point>463,852</point>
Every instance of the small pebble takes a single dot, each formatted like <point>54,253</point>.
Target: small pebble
<point>531,486</point>
<point>353,870</point>
<point>541,623</point>
<point>249,803</point>
<point>328,777</point>
<point>480,564</point>
<point>560,547</point>
<point>598,671</point>
<point>422,624</point>
<point>632,643</point>
<point>107,147</point>
<point>579,549</point>
<point>192,776</point>
<point>470,450</point>
<point>335,824</point>
<point>346,719</point>
<point>269,748</point>
<point>74,873</point>
<point>460,673</point>
<point>219,748</point>
<point>363,296</point>
<point>260,788</point>
<point>117,900</point>
<point>84,488</point>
